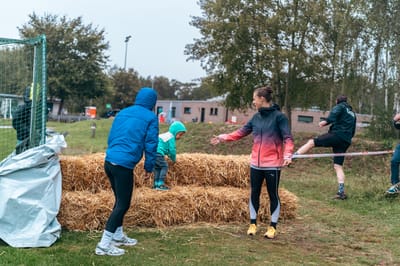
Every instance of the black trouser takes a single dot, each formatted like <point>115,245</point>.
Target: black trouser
<point>121,180</point>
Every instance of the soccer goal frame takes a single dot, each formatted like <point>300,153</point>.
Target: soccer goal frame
<point>23,101</point>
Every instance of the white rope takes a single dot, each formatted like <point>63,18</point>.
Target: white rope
<point>363,153</point>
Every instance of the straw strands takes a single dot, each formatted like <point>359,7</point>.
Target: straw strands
<point>205,188</point>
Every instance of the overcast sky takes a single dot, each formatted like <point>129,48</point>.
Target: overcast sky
<point>159,28</point>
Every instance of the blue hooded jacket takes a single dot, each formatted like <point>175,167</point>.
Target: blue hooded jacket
<point>134,132</point>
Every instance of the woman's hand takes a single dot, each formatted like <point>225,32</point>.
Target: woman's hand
<point>287,162</point>
<point>215,140</point>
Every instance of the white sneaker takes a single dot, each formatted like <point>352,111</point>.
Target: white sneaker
<point>124,241</point>
<point>109,251</point>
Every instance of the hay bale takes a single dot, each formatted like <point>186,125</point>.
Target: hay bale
<point>87,172</point>
<point>210,170</point>
<point>82,210</point>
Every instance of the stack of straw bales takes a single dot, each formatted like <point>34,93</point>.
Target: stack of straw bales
<point>205,188</point>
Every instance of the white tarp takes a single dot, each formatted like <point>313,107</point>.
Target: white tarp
<point>30,195</point>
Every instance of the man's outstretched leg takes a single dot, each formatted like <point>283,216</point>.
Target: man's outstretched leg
<point>306,147</point>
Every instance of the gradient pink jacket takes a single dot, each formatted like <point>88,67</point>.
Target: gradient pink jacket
<point>272,140</point>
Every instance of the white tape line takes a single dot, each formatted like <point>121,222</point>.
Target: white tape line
<point>340,154</point>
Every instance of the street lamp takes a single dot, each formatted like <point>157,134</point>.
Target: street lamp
<point>126,48</point>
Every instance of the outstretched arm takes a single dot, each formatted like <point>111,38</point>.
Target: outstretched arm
<point>235,135</point>
<point>215,140</point>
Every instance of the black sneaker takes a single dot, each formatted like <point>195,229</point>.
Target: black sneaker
<point>340,196</point>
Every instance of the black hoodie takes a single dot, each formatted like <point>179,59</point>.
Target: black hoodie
<point>343,121</point>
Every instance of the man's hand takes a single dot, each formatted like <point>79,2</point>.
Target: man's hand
<point>322,123</point>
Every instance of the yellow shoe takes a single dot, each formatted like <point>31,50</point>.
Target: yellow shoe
<point>271,232</point>
<point>252,230</point>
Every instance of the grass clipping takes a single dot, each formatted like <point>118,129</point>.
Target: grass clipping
<point>205,188</point>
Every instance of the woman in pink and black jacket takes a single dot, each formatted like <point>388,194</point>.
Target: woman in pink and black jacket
<point>272,149</point>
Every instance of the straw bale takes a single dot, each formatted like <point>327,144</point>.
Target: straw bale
<point>82,210</point>
<point>84,173</point>
<point>210,170</point>
<point>87,172</point>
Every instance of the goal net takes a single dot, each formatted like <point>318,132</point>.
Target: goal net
<point>23,104</point>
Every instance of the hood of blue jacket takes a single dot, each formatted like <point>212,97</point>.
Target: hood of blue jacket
<point>146,97</point>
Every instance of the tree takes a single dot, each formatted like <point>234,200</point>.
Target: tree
<point>16,70</point>
<point>163,87</point>
<point>75,57</point>
<point>230,48</point>
<point>126,84</point>
<point>203,90</point>
<point>250,43</point>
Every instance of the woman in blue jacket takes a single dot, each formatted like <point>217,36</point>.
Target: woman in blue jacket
<point>133,132</point>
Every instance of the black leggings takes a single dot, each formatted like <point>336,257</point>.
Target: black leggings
<point>272,181</point>
<point>121,180</point>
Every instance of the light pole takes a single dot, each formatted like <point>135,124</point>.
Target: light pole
<point>126,48</point>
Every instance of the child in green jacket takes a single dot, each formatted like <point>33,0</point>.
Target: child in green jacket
<point>166,147</point>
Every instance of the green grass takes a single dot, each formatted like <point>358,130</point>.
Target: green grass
<point>6,147</point>
<point>362,230</point>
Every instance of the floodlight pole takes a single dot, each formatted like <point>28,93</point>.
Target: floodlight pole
<point>126,48</point>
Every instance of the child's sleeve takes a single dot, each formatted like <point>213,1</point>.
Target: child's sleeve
<point>172,149</point>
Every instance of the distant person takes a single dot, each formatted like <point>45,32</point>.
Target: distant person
<point>134,132</point>
<point>395,162</point>
<point>166,147</point>
<point>21,122</point>
<point>342,121</point>
<point>272,149</point>
<point>161,118</point>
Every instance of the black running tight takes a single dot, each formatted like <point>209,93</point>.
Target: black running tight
<point>121,180</point>
<point>272,181</point>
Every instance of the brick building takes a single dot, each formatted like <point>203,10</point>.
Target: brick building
<point>215,112</point>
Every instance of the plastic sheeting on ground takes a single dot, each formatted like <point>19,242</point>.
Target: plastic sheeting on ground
<point>30,195</point>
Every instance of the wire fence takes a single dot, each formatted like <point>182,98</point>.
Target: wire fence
<point>23,103</point>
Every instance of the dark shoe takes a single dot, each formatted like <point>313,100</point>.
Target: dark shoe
<point>340,196</point>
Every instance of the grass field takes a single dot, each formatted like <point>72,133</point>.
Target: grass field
<point>362,230</point>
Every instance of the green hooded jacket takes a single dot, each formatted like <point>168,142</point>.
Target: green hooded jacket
<point>167,141</point>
